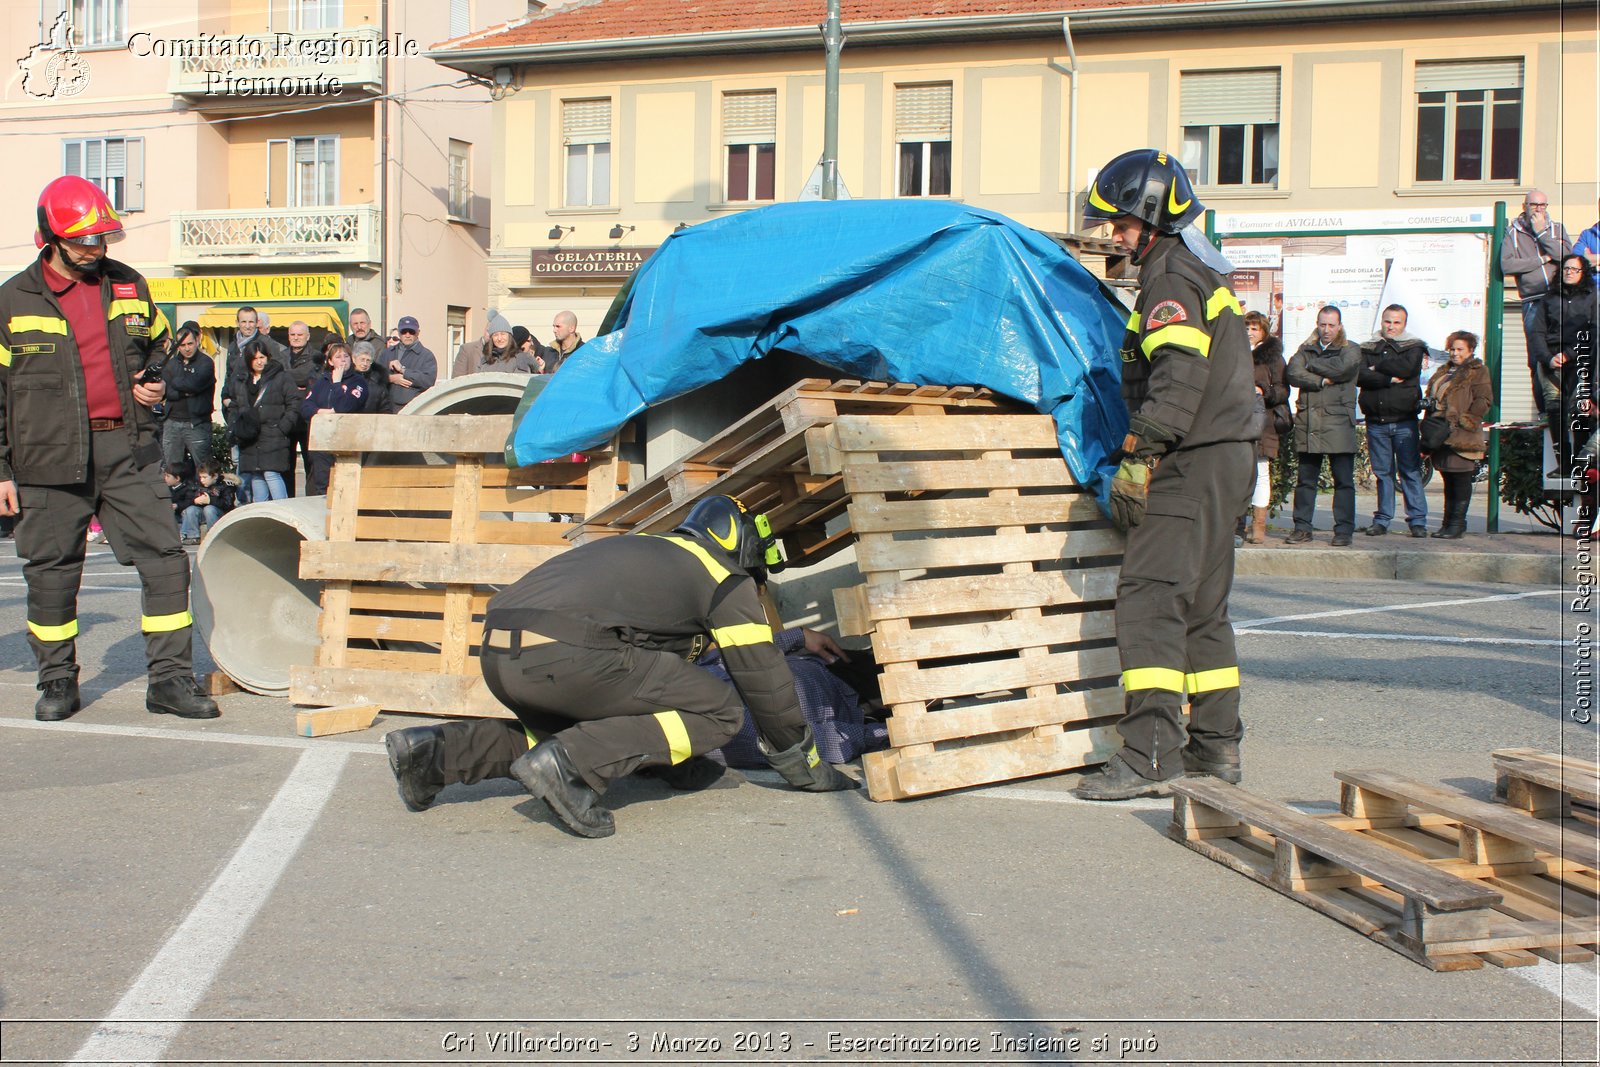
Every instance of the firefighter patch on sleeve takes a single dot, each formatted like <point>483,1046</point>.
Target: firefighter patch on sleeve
<point>1165,314</point>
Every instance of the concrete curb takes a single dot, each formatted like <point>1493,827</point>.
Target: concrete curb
<point>1495,567</point>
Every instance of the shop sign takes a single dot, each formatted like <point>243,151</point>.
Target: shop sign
<point>244,288</point>
<point>589,262</point>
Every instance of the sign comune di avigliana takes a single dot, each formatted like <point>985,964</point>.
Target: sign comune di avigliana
<point>588,262</point>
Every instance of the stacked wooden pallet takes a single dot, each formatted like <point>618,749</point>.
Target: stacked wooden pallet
<point>1442,878</point>
<point>989,582</point>
<point>414,551</point>
<point>763,460</point>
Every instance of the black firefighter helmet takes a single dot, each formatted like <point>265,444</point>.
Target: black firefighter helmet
<point>747,538</point>
<point>1147,184</point>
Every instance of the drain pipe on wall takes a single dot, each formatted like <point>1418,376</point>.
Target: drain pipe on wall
<point>1072,127</point>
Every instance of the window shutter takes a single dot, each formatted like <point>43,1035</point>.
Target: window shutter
<point>586,121</point>
<point>922,112</point>
<point>133,188</point>
<point>1229,97</point>
<point>72,158</point>
<point>750,118</point>
<point>460,17</point>
<point>1469,74</point>
<point>116,159</point>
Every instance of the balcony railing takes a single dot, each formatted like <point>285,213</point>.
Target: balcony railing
<point>347,234</point>
<point>313,64</point>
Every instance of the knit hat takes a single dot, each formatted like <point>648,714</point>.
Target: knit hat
<point>498,323</point>
<point>519,336</point>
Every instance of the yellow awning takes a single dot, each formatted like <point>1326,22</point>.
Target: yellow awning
<point>226,316</point>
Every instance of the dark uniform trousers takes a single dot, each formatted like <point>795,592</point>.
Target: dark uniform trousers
<point>615,709</point>
<point>1173,633</point>
<point>135,508</point>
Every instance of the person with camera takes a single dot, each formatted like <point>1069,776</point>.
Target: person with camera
<point>79,335</point>
<point>411,365</point>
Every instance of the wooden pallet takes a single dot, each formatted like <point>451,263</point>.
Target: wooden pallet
<point>415,550</point>
<point>1440,877</point>
<point>762,460</point>
<point>989,581</point>
<point>1547,785</point>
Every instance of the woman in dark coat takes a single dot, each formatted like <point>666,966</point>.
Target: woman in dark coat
<point>266,388</point>
<point>338,388</point>
<point>1462,393</point>
<point>1565,348</point>
<point>1266,353</point>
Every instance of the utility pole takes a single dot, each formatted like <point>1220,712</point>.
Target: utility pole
<point>833,41</point>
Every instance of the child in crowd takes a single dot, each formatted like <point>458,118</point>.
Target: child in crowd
<point>183,506</point>
<point>213,498</point>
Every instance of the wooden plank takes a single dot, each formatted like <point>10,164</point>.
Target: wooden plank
<point>993,592</point>
<point>464,527</point>
<point>462,434</point>
<point>344,490</point>
<point>606,474</point>
<point>344,719</point>
<point>478,564</point>
<point>413,530</point>
<point>1489,818</point>
<point>870,516</point>
<point>425,694</point>
<point>978,638</point>
<point>956,473</point>
<point>400,662</point>
<point>949,723</point>
<point>1408,876</point>
<point>990,676</point>
<point>863,433</point>
<point>384,628</point>
<point>884,554</point>
<point>399,599</point>
<point>997,761</point>
<point>511,500</point>
<point>1555,780</point>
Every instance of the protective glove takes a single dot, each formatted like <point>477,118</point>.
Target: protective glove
<point>803,768</point>
<point>1130,487</point>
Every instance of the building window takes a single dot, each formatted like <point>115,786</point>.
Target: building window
<point>586,136</point>
<point>460,183</point>
<point>1469,121</point>
<point>922,138</point>
<point>96,23</point>
<point>1230,127</point>
<point>750,133</point>
<point>116,165</point>
<point>303,172</point>
<point>311,15</point>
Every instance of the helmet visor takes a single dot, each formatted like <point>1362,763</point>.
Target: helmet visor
<point>95,240</point>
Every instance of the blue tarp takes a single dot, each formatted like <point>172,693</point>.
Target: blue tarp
<point>932,293</point>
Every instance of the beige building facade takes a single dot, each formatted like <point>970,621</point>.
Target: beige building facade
<point>302,156</point>
<point>612,132</point>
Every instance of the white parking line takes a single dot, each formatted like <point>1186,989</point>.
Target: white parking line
<point>1432,639</point>
<point>1393,607</point>
<point>150,1014</point>
<point>175,734</point>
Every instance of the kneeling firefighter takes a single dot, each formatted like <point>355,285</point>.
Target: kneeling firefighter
<point>594,652</point>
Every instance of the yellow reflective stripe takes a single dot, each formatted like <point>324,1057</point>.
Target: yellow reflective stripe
<point>1096,200</point>
<point>127,307</point>
<point>1153,678</point>
<point>677,736</point>
<point>1180,336</point>
<point>1222,300</point>
<point>161,326</point>
<point>529,734</point>
<point>1212,680</point>
<point>38,323</point>
<point>65,632</point>
<point>718,571</point>
<point>1133,322</point>
<point>5,356</point>
<point>745,633</point>
<point>812,758</point>
<point>164,624</point>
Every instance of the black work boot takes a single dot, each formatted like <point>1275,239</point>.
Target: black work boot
<point>694,773</point>
<point>415,757</point>
<point>1118,781</point>
<point>1223,764</point>
<point>546,771</point>
<point>59,700</point>
<point>179,696</point>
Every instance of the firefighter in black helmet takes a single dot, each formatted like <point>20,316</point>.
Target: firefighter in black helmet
<point>594,651</point>
<point>1184,476</point>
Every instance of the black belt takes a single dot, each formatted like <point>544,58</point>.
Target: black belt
<point>96,425</point>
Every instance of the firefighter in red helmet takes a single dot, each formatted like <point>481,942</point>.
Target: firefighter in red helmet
<point>81,345</point>
<point>1189,385</point>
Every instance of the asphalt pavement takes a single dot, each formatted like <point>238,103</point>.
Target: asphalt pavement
<point>224,891</point>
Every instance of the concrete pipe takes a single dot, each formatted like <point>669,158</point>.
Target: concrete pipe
<point>485,393</point>
<point>252,609</point>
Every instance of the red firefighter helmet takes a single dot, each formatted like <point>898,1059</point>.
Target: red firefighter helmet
<point>76,209</point>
